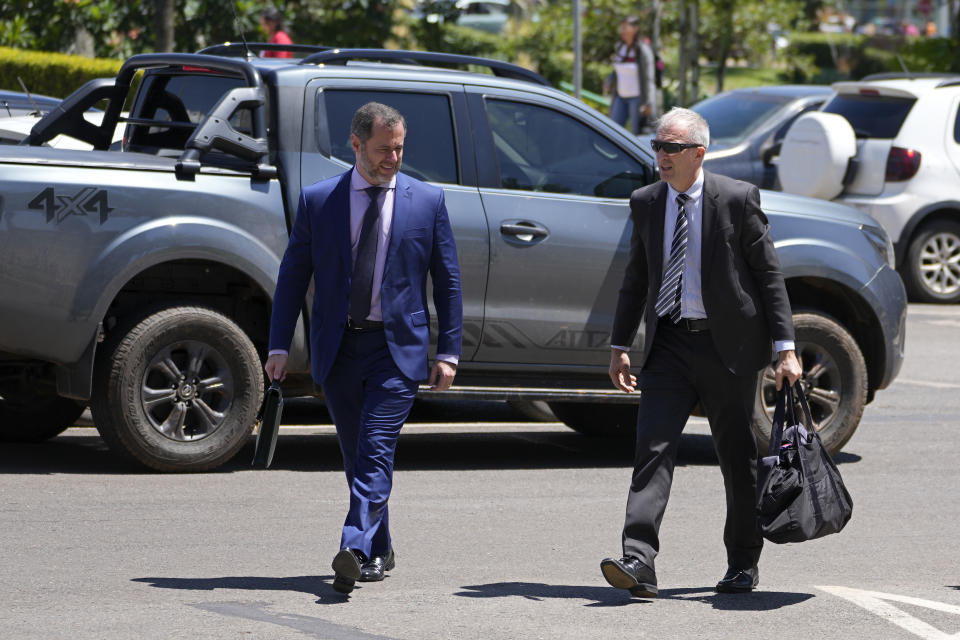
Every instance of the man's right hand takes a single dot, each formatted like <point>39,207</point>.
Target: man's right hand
<point>620,371</point>
<point>276,367</point>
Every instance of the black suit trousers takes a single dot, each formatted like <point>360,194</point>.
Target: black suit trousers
<point>683,368</point>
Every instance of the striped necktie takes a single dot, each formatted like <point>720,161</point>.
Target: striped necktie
<point>668,300</point>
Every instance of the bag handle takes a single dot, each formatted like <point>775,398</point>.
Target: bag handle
<point>273,388</point>
<point>807,416</point>
<point>779,415</point>
<point>787,398</point>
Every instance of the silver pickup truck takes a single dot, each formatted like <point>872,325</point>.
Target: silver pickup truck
<point>136,278</point>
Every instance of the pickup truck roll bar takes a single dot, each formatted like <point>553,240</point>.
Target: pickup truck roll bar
<point>215,130</point>
<point>240,49</point>
<point>498,67</point>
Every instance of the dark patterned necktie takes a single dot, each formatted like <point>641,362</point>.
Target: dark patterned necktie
<point>361,284</point>
<point>668,300</point>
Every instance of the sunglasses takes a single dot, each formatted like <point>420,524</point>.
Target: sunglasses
<point>672,147</point>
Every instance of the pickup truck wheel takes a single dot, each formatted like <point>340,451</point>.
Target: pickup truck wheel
<point>178,389</point>
<point>599,420</point>
<point>834,380</point>
<point>932,268</point>
<point>31,415</point>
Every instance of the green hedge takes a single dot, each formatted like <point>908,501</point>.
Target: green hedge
<point>847,56</point>
<point>52,74</point>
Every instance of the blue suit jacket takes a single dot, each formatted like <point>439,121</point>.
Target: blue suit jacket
<point>421,241</point>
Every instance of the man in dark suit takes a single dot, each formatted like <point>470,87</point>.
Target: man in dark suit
<point>704,275</point>
<point>369,237</point>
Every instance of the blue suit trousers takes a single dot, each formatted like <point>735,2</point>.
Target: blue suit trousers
<point>369,399</point>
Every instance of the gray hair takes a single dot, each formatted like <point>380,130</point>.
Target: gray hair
<point>698,131</point>
<point>365,117</point>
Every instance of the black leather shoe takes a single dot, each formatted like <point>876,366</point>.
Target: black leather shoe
<point>739,580</point>
<point>373,569</point>
<point>346,568</point>
<point>630,574</point>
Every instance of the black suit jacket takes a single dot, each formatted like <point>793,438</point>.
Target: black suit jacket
<point>743,289</point>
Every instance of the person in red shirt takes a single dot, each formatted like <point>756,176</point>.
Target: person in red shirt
<point>272,22</point>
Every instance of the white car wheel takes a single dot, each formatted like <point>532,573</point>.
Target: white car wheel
<point>932,270</point>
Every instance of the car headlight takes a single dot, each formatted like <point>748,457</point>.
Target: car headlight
<point>881,241</point>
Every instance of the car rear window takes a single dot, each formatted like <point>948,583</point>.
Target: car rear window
<point>872,116</point>
<point>733,116</point>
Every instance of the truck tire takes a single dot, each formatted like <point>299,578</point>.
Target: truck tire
<point>834,380</point>
<point>598,420</point>
<point>31,415</point>
<point>932,268</point>
<point>177,389</point>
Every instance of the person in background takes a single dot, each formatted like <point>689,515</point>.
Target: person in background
<point>273,24</point>
<point>632,81</point>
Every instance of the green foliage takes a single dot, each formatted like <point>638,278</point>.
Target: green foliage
<point>448,37</point>
<point>52,74</point>
<point>837,56</point>
<point>341,23</point>
<point>744,29</point>
<point>930,54</point>
<point>748,27</point>
<point>120,28</point>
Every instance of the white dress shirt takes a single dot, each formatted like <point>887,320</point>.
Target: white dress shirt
<point>359,200</point>
<point>691,296</point>
<point>691,291</point>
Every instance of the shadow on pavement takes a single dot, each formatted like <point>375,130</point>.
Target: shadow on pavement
<point>319,586</point>
<point>604,596</point>
<point>485,442</point>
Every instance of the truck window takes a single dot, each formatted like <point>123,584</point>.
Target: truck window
<point>539,149</point>
<point>429,151</point>
<point>182,101</point>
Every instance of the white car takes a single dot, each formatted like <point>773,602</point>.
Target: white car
<point>889,145</point>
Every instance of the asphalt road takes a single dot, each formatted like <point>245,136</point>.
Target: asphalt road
<point>499,528</point>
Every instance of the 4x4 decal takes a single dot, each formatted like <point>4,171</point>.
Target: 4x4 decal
<point>59,206</point>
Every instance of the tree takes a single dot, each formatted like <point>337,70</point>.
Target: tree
<point>163,25</point>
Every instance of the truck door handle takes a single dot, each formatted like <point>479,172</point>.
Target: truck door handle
<point>523,230</point>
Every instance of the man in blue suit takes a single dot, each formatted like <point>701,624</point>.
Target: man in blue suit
<point>369,237</point>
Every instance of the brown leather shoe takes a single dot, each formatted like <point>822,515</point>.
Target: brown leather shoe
<point>630,574</point>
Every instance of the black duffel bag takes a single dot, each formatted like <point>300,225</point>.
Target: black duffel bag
<point>800,495</point>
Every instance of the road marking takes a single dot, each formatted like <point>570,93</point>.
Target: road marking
<point>915,310</point>
<point>926,383</point>
<point>879,604</point>
<point>944,323</point>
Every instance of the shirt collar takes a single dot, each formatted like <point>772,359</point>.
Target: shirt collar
<point>694,192</point>
<point>359,183</point>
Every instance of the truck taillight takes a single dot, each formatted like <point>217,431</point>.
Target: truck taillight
<point>902,164</point>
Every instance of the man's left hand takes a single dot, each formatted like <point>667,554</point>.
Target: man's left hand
<point>441,376</point>
<point>787,367</point>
